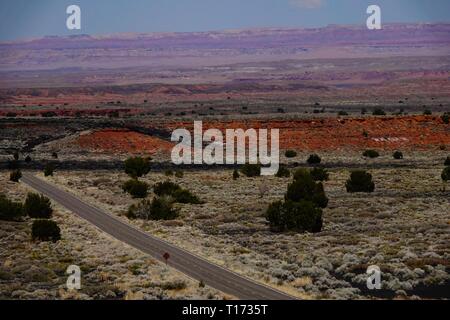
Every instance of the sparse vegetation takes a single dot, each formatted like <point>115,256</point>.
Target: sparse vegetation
<point>136,188</point>
<point>137,167</point>
<point>45,230</point>
<point>38,206</point>
<point>235,174</point>
<point>360,181</point>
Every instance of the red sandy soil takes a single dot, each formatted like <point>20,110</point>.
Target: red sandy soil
<point>385,133</point>
<point>122,141</point>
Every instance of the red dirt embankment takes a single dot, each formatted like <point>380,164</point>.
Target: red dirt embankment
<point>122,141</point>
<point>385,133</point>
<point>333,134</point>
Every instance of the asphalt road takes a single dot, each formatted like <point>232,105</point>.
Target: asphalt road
<point>182,260</point>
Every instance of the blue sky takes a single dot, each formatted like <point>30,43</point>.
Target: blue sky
<point>26,19</point>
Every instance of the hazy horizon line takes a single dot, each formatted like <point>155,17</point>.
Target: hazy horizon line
<point>225,30</point>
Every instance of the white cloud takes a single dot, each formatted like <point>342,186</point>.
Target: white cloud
<point>308,4</point>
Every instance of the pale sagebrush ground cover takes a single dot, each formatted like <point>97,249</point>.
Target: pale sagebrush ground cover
<point>110,269</point>
<point>403,227</point>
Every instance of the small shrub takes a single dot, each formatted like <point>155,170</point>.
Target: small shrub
<point>139,211</point>
<point>13,164</point>
<point>445,175</point>
<point>15,175</point>
<point>161,208</point>
<point>174,285</point>
<point>165,188</point>
<point>185,196</point>
<point>179,174</point>
<point>137,167</point>
<point>177,193</point>
<point>447,162</point>
<point>319,174</point>
<point>371,154</point>
<point>342,113</point>
<point>305,188</point>
<point>251,170</point>
<point>290,153</point>
<point>398,155</point>
<point>137,189</point>
<point>365,134</point>
<point>446,118</point>
<point>235,174</point>
<point>48,114</point>
<point>314,159</point>
<point>283,172</point>
<point>168,173</point>
<point>38,206</point>
<point>294,216</point>
<point>45,230</point>
<point>48,170</point>
<point>379,112</point>
<point>427,112</point>
<point>360,181</point>
<point>9,210</point>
